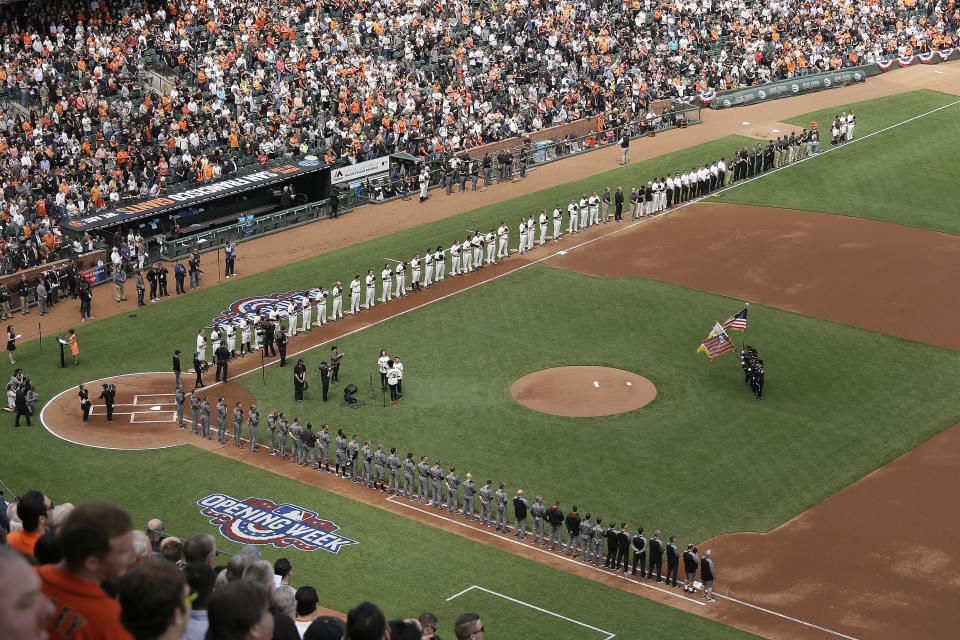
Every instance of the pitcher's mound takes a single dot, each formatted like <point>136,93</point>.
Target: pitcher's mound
<point>583,391</point>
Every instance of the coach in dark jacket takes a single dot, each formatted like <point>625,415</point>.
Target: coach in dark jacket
<point>656,556</point>
<point>673,561</point>
<point>613,544</point>
<point>690,564</point>
<point>623,552</point>
<point>640,553</point>
<point>572,523</point>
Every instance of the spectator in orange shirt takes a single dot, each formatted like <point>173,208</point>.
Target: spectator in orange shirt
<point>24,611</point>
<point>97,544</point>
<point>35,511</point>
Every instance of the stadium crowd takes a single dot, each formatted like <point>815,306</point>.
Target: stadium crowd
<point>86,572</point>
<point>248,82</point>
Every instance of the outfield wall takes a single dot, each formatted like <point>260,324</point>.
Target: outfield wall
<point>814,82</point>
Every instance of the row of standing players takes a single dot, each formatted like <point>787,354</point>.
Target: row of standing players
<point>428,484</point>
<point>480,249</point>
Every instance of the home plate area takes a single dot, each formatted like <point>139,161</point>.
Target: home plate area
<point>153,407</point>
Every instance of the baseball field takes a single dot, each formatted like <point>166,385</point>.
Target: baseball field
<point>847,260</point>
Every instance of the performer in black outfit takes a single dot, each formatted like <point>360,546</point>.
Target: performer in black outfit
<point>757,383</point>
<point>640,553</point>
<point>198,369</point>
<point>282,347</point>
<point>299,380</point>
<point>84,403</point>
<point>109,395</point>
<point>324,378</point>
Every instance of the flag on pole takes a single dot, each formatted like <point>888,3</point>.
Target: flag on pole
<point>738,322</point>
<point>717,343</point>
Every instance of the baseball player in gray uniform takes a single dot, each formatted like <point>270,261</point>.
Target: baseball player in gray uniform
<point>253,421</point>
<point>323,448</point>
<point>205,424</point>
<point>366,458</point>
<point>340,444</point>
<point>586,539</point>
<point>469,491</point>
<point>237,424</point>
<point>194,411</point>
<point>272,432</point>
<point>181,398</point>
<point>296,442</point>
<point>597,538</point>
<point>379,466</point>
<point>453,490</point>
<point>423,472</point>
<point>486,504</point>
<point>501,498</point>
<point>221,420</point>
<point>538,511</point>
<point>393,464</point>
<point>353,452</point>
<point>436,477</point>
<point>284,427</point>
<point>409,477</point>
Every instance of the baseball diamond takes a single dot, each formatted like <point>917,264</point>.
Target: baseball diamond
<point>569,371</point>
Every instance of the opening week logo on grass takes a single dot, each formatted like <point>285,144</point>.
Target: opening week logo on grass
<point>261,305</point>
<point>261,521</point>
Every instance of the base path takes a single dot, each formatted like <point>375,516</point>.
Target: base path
<point>374,221</point>
<point>876,560</point>
<point>583,392</point>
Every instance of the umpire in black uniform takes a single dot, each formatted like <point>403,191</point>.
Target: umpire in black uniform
<point>268,331</point>
<point>222,356</point>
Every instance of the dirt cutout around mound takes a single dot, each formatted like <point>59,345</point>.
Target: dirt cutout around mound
<point>583,392</point>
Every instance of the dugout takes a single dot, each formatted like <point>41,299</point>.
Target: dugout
<point>208,205</point>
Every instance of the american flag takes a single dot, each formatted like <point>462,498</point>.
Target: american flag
<point>738,322</point>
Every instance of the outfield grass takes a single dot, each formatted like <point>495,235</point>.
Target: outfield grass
<point>905,175</point>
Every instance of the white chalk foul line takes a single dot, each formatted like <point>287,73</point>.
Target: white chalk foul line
<point>516,541</point>
<point>534,607</point>
<point>785,617</point>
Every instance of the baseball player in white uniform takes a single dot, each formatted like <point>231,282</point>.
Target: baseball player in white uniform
<point>355,285</point>
<point>371,281</point>
<point>573,209</point>
<point>455,258</point>
<point>523,236</point>
<point>401,273</point>
<point>503,235</point>
<point>337,301</point>
<point>386,282</point>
